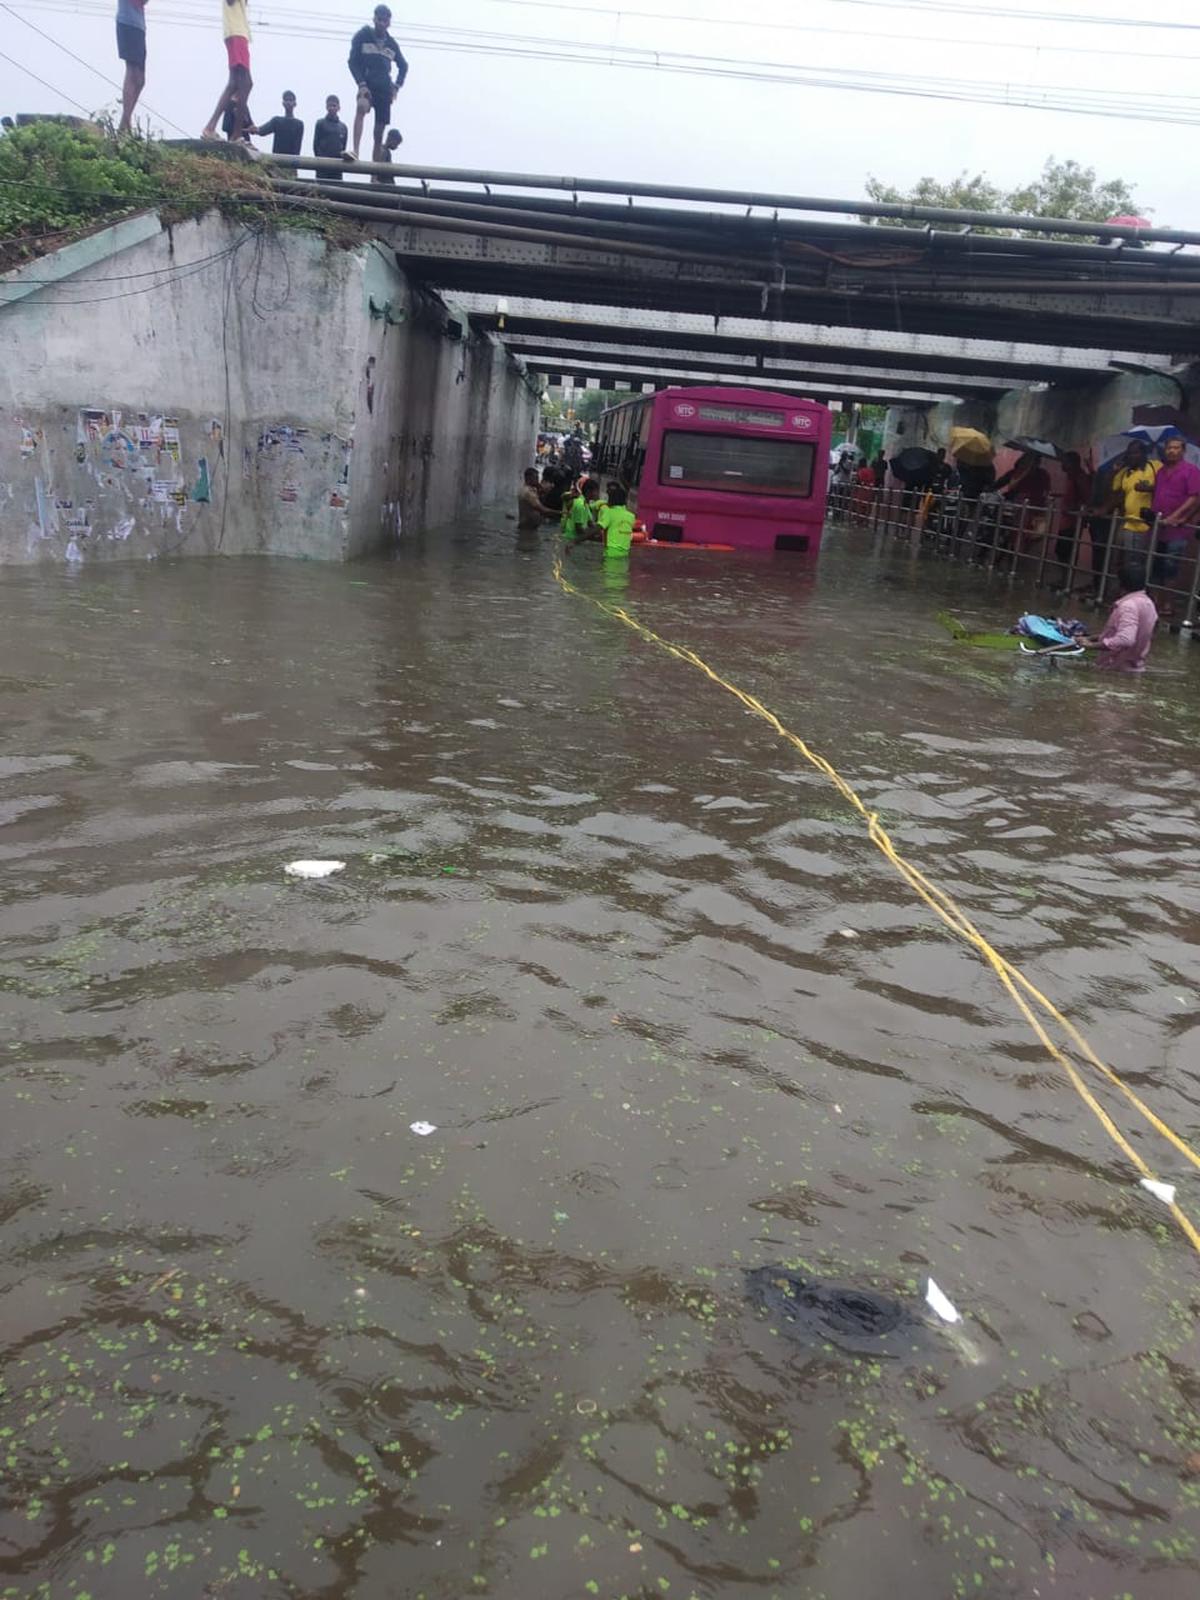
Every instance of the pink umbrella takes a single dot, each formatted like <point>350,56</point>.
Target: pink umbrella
<point>1129,222</point>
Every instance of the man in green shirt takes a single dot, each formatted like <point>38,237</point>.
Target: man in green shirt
<point>578,518</point>
<point>618,525</point>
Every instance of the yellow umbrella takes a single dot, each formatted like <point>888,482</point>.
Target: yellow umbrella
<point>971,446</point>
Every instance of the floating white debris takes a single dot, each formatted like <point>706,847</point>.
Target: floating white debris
<point>1161,1191</point>
<point>939,1305</point>
<point>313,869</point>
<point>423,1128</point>
<point>848,933</point>
<point>837,1109</point>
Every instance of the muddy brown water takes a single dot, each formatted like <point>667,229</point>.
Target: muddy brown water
<point>672,1019</point>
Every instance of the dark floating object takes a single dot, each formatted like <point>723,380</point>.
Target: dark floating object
<point>820,1313</point>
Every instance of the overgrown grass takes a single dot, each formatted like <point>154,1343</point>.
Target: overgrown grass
<point>59,181</point>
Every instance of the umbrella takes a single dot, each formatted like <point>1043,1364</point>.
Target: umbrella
<point>914,465</point>
<point>971,446</point>
<point>1034,447</point>
<point>1152,437</point>
<point>1129,222</point>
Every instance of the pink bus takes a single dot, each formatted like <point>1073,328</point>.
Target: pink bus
<point>738,467</point>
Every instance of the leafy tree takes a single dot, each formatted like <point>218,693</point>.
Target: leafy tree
<point>963,193</point>
<point>589,403</point>
<point>1064,189</point>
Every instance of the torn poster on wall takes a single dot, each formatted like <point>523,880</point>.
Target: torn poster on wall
<point>141,453</point>
<point>290,440</point>
<point>296,467</point>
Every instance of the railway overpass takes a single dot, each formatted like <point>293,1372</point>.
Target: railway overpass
<point>635,284</point>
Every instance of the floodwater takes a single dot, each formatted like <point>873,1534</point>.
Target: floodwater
<point>671,1017</point>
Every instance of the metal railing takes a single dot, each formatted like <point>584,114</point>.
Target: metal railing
<point>1073,554</point>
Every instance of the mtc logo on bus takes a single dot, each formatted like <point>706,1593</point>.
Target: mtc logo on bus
<point>685,411</point>
<point>803,422</point>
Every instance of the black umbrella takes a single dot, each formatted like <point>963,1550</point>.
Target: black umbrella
<point>1034,447</point>
<point>914,465</point>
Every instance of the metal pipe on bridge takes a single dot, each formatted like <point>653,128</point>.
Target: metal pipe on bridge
<point>738,197</point>
<point>466,217</point>
<point>423,206</point>
<point>772,228</point>
<point>377,213</point>
<point>381,207</point>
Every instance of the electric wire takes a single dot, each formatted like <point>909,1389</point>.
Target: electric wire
<point>170,277</point>
<point>691,19</point>
<point>1116,105</point>
<point>695,19</point>
<point>29,73</point>
<point>112,83</point>
<point>1011,14</point>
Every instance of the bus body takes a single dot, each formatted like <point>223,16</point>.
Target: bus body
<point>739,467</point>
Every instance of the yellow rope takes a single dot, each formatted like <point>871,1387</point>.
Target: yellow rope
<point>1018,986</point>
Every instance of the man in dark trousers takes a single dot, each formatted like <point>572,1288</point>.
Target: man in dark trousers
<point>287,131</point>
<point>373,54</point>
<point>131,47</point>
<point>329,139</point>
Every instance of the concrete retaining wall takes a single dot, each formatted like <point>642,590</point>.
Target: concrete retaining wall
<point>208,390</point>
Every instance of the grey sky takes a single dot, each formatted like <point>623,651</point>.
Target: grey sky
<point>601,119</point>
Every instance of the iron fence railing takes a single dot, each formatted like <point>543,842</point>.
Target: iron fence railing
<point>1072,553</point>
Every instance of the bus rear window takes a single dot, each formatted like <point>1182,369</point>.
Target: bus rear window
<point>737,464</point>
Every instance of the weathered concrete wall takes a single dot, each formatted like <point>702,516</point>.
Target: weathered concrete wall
<point>207,390</point>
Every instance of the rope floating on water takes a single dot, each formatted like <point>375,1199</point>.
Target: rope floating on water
<point>1020,990</point>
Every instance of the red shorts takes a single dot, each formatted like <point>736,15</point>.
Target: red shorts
<point>238,51</point>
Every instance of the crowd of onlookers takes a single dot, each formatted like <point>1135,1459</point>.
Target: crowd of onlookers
<point>376,63</point>
<point>1149,497</point>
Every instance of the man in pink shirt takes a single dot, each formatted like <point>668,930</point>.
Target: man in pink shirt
<point>1176,500</point>
<point>1125,641</point>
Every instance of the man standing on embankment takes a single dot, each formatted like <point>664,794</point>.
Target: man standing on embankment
<point>131,47</point>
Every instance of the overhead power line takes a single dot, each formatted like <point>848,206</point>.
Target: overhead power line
<point>1175,109</point>
<point>701,19</point>
<point>1010,14</point>
<point>29,73</point>
<point>112,83</point>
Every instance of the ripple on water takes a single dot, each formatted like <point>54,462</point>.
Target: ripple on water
<point>261,1339</point>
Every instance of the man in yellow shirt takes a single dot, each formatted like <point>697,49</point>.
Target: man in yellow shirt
<point>1133,487</point>
<point>236,24</point>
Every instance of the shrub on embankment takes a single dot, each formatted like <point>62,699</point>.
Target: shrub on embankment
<point>58,181</point>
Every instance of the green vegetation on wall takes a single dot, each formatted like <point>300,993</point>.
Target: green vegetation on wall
<point>57,180</point>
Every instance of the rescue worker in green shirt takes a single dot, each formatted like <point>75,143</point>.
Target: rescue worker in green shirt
<point>579,520</point>
<point>618,525</point>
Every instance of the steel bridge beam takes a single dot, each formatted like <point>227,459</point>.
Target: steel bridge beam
<point>463,260</point>
<point>1011,364</point>
<point>609,375</point>
<point>557,353</point>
